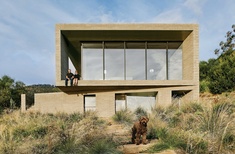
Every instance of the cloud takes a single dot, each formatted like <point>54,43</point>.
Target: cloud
<point>171,16</point>
<point>27,28</point>
<point>27,40</point>
<point>195,5</point>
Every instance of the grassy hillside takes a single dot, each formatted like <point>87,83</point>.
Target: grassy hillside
<point>61,133</point>
<point>188,127</point>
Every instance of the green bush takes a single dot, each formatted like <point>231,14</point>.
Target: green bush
<point>75,117</point>
<point>152,133</point>
<point>158,147</point>
<point>168,141</point>
<point>139,112</point>
<point>204,86</point>
<point>104,146</point>
<point>123,116</point>
<point>191,107</point>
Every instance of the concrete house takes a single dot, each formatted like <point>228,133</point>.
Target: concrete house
<point>123,66</point>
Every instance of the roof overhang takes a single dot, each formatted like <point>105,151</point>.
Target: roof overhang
<point>86,86</point>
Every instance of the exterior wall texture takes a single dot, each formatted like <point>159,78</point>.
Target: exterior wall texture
<point>58,102</point>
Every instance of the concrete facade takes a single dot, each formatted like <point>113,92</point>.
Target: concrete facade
<point>68,44</point>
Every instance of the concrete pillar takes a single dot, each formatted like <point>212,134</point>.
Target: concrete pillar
<point>193,95</point>
<point>23,103</point>
<point>105,104</point>
<point>164,97</point>
<point>64,58</point>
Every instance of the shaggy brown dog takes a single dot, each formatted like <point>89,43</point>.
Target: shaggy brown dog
<point>140,128</point>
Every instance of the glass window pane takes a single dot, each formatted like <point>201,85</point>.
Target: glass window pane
<point>92,61</point>
<point>135,61</point>
<point>145,102</point>
<point>156,61</point>
<point>175,61</point>
<point>114,61</point>
<point>90,103</point>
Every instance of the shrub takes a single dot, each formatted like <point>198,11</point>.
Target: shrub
<point>204,86</point>
<point>123,116</point>
<point>168,140</point>
<point>104,146</point>
<point>139,112</point>
<point>75,117</point>
<point>158,147</point>
<point>191,107</point>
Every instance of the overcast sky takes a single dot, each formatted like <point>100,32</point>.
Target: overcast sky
<point>27,27</point>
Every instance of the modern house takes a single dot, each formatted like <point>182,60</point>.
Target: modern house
<point>123,66</point>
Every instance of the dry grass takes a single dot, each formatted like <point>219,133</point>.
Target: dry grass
<point>60,133</point>
<point>189,127</point>
<point>205,127</point>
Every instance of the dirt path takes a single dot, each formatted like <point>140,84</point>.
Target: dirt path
<point>122,134</point>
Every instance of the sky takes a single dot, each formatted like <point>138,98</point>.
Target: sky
<point>27,27</point>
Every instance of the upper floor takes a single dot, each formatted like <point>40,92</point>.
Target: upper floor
<point>128,54</point>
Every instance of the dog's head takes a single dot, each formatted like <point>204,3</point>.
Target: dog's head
<point>143,121</point>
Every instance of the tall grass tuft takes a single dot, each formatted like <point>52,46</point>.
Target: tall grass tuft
<point>139,112</point>
<point>53,133</point>
<point>123,116</point>
<point>195,128</point>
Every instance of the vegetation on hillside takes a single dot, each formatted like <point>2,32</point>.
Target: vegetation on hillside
<point>190,127</point>
<point>54,134</point>
<point>196,128</point>
<point>218,75</point>
<point>38,88</point>
<point>11,90</point>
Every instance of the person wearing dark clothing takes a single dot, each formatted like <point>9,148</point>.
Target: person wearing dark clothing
<point>76,78</point>
<point>69,78</point>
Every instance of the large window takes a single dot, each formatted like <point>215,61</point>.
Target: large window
<point>174,61</point>
<point>156,61</point>
<point>135,61</point>
<point>132,101</point>
<point>92,61</point>
<point>114,61</point>
<point>89,103</point>
<point>132,61</point>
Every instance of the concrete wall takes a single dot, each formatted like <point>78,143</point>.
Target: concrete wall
<point>105,104</point>
<point>164,97</point>
<point>62,102</point>
<point>61,57</point>
<point>58,102</point>
<point>105,101</point>
<point>191,61</point>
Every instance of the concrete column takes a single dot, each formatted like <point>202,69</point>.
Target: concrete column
<point>164,97</point>
<point>23,103</point>
<point>64,58</point>
<point>192,95</point>
<point>105,104</point>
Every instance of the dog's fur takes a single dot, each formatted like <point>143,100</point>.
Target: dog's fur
<point>140,128</point>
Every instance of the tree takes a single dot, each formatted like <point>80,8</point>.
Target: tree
<point>39,88</point>
<point>229,45</point>
<point>10,92</point>
<point>222,73</point>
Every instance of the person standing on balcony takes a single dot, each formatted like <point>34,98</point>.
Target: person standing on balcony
<point>69,78</point>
